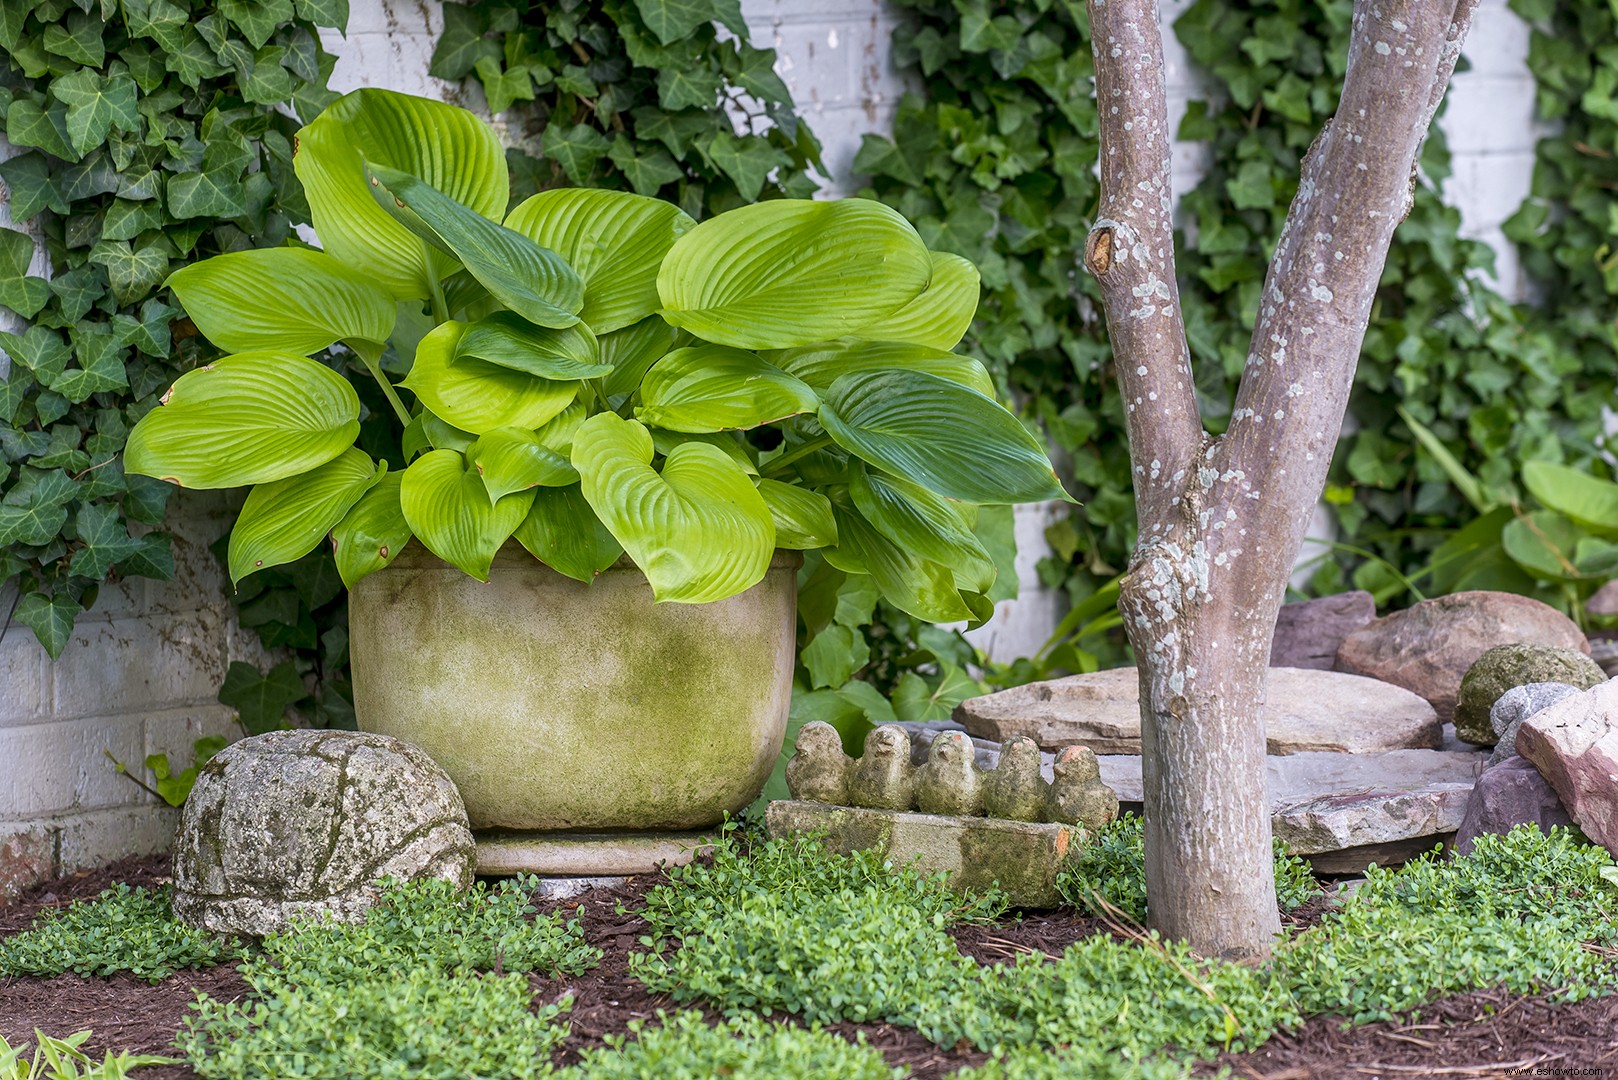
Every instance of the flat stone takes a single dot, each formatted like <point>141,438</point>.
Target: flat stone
<point>1356,860</point>
<point>1021,857</point>
<point>1509,794</point>
<point>1308,633</point>
<point>587,855</point>
<point>1306,710</point>
<point>1428,647</point>
<point>1574,744</point>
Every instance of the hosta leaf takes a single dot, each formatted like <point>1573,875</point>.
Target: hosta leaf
<point>921,587</point>
<point>372,533</point>
<point>530,280</point>
<point>713,388</point>
<point>729,441</point>
<point>615,241</point>
<point>700,531</point>
<point>941,315</point>
<point>287,519</point>
<point>562,532</point>
<point>922,523</point>
<point>247,419</point>
<point>1587,500</point>
<point>939,434</point>
<point>449,511</point>
<point>510,341</point>
<point>1543,543</point>
<point>285,299</point>
<point>821,365</point>
<point>632,350</point>
<point>515,459</point>
<point>446,147</point>
<point>792,272</point>
<point>803,518</point>
<point>477,396</point>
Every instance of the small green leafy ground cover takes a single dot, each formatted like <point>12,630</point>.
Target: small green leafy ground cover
<point>123,929</point>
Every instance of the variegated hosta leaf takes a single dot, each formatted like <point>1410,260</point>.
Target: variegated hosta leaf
<point>712,388</point>
<point>823,364</point>
<point>940,316</point>
<point>372,534</point>
<point>246,419</point>
<point>790,272</point>
<point>614,240</point>
<point>921,587</point>
<point>532,281</point>
<point>562,532</point>
<point>450,512</point>
<point>632,350</point>
<point>803,518</point>
<point>922,523</point>
<point>282,299</point>
<point>940,435</point>
<point>700,531</point>
<point>515,459</point>
<point>508,340</point>
<point>445,146</point>
<point>287,519</point>
<point>478,396</point>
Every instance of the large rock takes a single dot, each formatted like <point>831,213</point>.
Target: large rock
<point>1309,632</point>
<point>1427,647</point>
<point>1514,706</point>
<point>303,823</point>
<point>1507,666</point>
<point>1305,711</point>
<point>1509,794</point>
<point>1574,744</point>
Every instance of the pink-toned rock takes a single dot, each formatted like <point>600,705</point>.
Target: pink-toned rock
<point>1574,745</point>
<point>1309,632</point>
<point>1604,601</point>
<point>1428,647</point>
<point>1509,794</point>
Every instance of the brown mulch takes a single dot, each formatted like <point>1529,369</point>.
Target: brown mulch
<point>1482,1034</point>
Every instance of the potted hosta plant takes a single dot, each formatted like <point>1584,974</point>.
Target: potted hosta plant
<point>573,583</point>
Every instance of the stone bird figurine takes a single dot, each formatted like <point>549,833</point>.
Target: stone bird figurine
<point>1077,796</point>
<point>949,783</point>
<point>1014,789</point>
<point>818,770</point>
<point>883,777</point>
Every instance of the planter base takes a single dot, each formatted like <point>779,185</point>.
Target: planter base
<point>502,854</point>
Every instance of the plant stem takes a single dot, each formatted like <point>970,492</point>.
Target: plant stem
<point>776,467</point>
<point>436,288</point>
<point>371,353</point>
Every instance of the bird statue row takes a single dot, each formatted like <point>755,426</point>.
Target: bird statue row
<point>949,781</point>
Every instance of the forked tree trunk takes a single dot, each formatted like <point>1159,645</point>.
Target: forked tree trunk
<point>1222,519</point>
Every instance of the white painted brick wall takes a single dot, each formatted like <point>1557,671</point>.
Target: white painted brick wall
<point>142,670</point>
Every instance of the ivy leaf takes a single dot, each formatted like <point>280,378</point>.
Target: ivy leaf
<point>193,61</point>
<point>28,179</point>
<point>462,45</point>
<point>29,125</point>
<point>504,86</point>
<point>18,291</point>
<point>106,541</point>
<point>77,290</point>
<point>126,219</point>
<point>96,104</point>
<point>576,149</point>
<point>258,19</point>
<point>215,193</point>
<point>132,272</point>
<point>34,510</point>
<point>153,557</point>
<point>747,160</point>
<point>331,13</point>
<point>674,20</point>
<point>261,700</point>
<point>50,618</point>
<point>647,173</point>
<point>149,330</point>
<point>78,39</point>
<point>101,365</point>
<point>694,87</point>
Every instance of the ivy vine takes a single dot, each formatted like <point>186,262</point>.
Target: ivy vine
<point>144,133</point>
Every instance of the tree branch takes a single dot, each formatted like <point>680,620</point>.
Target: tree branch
<point>1131,253</point>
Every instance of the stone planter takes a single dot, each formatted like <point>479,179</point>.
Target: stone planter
<point>589,730</point>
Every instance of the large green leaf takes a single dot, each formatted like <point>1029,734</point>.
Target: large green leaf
<point>823,364</point>
<point>919,586</point>
<point>941,315</point>
<point>532,281</point>
<point>922,523</point>
<point>246,419</point>
<point>632,350</point>
<point>700,531</point>
<point>1544,543</point>
<point>286,519</point>
<point>449,510</point>
<point>712,388</point>
<point>444,146</point>
<point>508,340</point>
<point>477,396</point>
<point>939,434</point>
<point>285,299</point>
<point>515,459</point>
<point>562,532</point>
<point>803,518</point>
<point>372,533</point>
<point>792,272</point>
<point>1587,500</point>
<point>614,240</point>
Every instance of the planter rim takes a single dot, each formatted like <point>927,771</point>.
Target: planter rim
<point>415,556</point>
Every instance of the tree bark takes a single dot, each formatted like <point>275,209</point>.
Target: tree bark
<point>1222,520</point>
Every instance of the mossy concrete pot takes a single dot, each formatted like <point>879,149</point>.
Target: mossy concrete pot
<point>560,706</point>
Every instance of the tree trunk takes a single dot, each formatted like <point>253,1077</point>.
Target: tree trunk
<point>1222,519</point>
